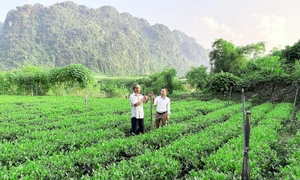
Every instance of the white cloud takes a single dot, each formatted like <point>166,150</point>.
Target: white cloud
<point>272,29</point>
<point>206,30</point>
<point>214,27</point>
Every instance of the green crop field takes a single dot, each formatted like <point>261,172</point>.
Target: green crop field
<point>59,138</point>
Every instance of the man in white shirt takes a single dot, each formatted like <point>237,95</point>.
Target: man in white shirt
<point>137,110</point>
<point>163,109</point>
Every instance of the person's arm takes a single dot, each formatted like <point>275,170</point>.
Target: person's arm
<point>147,97</point>
<point>168,109</point>
<point>134,101</point>
<point>139,102</point>
<point>155,101</point>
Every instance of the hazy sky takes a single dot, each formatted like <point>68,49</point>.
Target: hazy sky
<point>276,22</point>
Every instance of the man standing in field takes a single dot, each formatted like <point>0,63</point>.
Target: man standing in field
<point>163,109</point>
<point>137,110</point>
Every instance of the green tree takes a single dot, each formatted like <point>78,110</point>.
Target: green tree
<point>113,89</point>
<point>226,57</point>
<point>267,65</point>
<point>4,84</point>
<point>32,80</point>
<point>71,74</point>
<point>197,77</point>
<point>276,52</point>
<point>252,51</point>
<point>296,72</point>
<point>291,54</point>
<point>221,82</point>
<point>11,80</point>
<point>222,56</point>
<point>165,79</point>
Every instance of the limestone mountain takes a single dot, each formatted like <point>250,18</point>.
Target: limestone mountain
<point>1,24</point>
<point>191,49</point>
<point>102,39</point>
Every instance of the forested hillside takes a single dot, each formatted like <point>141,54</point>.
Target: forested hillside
<point>102,39</point>
<point>191,49</point>
<point>1,24</point>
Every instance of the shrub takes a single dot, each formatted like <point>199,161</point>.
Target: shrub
<point>221,82</point>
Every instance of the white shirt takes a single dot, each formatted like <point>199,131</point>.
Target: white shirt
<point>136,111</point>
<point>163,104</point>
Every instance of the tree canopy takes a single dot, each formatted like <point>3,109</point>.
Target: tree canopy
<point>164,79</point>
<point>226,57</point>
<point>291,53</point>
<point>35,80</point>
<point>198,77</point>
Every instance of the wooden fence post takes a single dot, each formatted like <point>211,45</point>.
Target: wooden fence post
<point>246,167</point>
<point>229,98</point>
<point>151,112</point>
<point>86,97</point>
<point>247,130</point>
<point>295,102</point>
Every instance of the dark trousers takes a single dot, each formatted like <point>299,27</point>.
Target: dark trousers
<point>137,125</point>
<point>161,117</point>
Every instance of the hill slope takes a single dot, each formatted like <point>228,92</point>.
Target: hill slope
<point>1,24</point>
<point>191,49</point>
<point>103,39</point>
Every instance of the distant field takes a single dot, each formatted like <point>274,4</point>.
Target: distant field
<point>59,138</point>
<point>103,77</point>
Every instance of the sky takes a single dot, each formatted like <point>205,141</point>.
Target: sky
<point>242,22</point>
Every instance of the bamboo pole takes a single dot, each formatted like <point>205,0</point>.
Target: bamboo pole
<point>295,102</point>
<point>151,112</point>
<point>229,97</point>
<point>86,97</point>
<point>246,129</point>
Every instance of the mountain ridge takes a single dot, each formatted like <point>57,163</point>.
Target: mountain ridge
<point>102,39</point>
